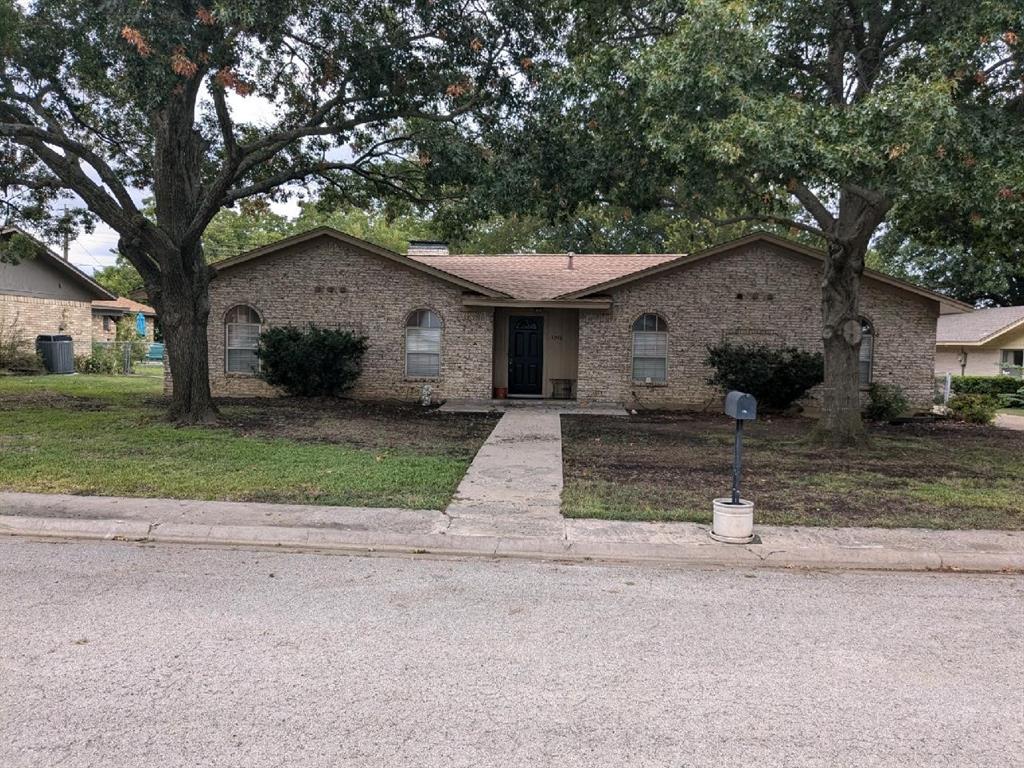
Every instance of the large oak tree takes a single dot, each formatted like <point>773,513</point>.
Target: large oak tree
<point>832,118</point>
<point>203,105</point>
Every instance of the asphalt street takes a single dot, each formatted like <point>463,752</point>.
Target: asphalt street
<point>114,654</point>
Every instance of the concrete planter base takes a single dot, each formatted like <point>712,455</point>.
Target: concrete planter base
<point>733,523</point>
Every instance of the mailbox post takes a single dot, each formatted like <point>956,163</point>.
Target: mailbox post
<point>734,516</point>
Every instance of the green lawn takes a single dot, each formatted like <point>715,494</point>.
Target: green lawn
<point>107,435</point>
<point>1013,411</point>
<point>669,467</point>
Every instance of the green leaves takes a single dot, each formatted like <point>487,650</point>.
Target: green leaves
<point>16,248</point>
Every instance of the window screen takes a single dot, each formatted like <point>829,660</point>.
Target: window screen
<point>423,345</point>
<point>650,349</point>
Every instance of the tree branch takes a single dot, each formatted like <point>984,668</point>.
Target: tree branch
<point>771,219</point>
<point>23,133</point>
<point>814,206</point>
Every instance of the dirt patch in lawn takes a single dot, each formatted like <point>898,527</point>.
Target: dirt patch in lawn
<point>659,466</point>
<point>376,426</point>
<point>50,399</point>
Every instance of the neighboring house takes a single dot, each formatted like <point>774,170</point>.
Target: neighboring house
<point>47,295</point>
<point>631,329</point>
<point>986,342</point>
<point>106,314</point>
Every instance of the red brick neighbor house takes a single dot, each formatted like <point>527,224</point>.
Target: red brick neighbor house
<point>623,328</point>
<point>48,295</point>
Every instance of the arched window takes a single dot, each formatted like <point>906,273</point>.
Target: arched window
<point>242,340</point>
<point>867,351</point>
<point>650,349</point>
<point>423,345</point>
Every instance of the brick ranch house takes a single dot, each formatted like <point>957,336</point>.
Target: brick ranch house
<point>630,329</point>
<point>48,295</point>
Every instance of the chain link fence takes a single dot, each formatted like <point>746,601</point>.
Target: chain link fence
<point>120,357</point>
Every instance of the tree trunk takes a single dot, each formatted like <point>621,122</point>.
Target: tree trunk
<point>183,297</point>
<point>841,424</point>
<point>184,309</point>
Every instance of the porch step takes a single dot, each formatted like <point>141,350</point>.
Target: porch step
<point>568,407</point>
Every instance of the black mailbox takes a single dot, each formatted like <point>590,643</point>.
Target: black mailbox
<point>740,406</point>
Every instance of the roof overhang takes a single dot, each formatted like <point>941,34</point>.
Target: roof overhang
<point>65,267</point>
<point>331,232</point>
<point>602,303</point>
<point>946,303</point>
<point>120,311</point>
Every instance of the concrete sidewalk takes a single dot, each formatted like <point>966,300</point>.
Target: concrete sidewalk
<point>362,530</point>
<point>1010,421</point>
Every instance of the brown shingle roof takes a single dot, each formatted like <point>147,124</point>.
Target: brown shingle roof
<point>542,275</point>
<point>980,325</point>
<point>123,304</point>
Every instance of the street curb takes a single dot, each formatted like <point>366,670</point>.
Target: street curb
<point>366,542</point>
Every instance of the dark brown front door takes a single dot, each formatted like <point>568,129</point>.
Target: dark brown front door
<point>525,355</point>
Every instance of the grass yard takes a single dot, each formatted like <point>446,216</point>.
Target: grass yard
<point>1013,411</point>
<point>106,435</point>
<point>669,467</point>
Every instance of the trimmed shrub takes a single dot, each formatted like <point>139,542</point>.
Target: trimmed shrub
<point>975,409</point>
<point>776,376</point>
<point>985,385</point>
<point>311,361</point>
<point>1016,400</point>
<point>103,360</point>
<point>885,402</point>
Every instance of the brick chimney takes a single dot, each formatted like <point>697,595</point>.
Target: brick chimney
<point>569,265</point>
<point>427,248</point>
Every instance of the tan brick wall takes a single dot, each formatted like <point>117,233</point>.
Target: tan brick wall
<point>35,316</point>
<point>98,331</point>
<point>780,304</point>
<point>335,285</point>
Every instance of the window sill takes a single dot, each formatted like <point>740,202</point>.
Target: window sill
<point>240,375</point>
<point>650,384</point>
<point>422,379</point>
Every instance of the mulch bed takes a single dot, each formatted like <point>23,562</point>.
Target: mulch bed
<point>669,466</point>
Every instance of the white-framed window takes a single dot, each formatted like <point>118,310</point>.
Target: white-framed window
<point>1011,362</point>
<point>242,340</point>
<point>867,352</point>
<point>423,345</point>
<point>650,349</point>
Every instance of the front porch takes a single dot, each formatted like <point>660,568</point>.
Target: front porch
<point>536,353</point>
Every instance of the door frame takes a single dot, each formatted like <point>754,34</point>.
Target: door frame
<point>540,337</point>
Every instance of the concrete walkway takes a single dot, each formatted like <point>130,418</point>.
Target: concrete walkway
<point>366,530</point>
<point>1010,421</point>
<point>514,485</point>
